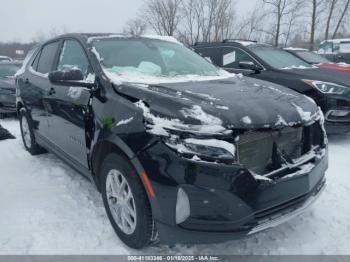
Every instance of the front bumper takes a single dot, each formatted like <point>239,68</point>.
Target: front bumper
<point>226,201</point>
<point>7,102</point>
<point>332,106</point>
<point>173,235</point>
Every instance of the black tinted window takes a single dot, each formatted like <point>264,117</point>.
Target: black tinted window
<point>232,56</point>
<point>73,56</point>
<point>210,53</point>
<point>47,58</point>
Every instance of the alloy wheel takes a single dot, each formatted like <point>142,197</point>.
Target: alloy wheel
<point>121,201</point>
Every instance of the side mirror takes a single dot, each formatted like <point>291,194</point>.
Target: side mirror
<point>72,77</point>
<point>250,66</point>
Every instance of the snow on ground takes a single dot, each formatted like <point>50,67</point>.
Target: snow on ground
<point>47,208</point>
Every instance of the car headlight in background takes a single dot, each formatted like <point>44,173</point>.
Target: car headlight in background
<point>326,87</point>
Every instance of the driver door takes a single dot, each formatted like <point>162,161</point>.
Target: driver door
<point>68,106</point>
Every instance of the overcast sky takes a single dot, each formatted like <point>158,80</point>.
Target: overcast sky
<point>23,20</point>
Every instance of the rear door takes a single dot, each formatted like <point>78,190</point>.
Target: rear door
<point>68,106</point>
<point>34,86</point>
<point>230,57</point>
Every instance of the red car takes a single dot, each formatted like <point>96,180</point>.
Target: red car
<point>318,60</point>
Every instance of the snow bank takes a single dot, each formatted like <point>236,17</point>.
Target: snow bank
<point>44,201</point>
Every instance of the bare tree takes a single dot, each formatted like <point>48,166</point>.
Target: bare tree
<point>206,20</point>
<point>135,27</point>
<point>331,7</point>
<point>317,8</point>
<point>341,19</point>
<point>295,12</point>
<point>163,15</point>
<point>280,9</point>
<point>251,26</point>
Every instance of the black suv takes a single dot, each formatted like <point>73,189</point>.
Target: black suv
<point>178,148</point>
<point>330,89</point>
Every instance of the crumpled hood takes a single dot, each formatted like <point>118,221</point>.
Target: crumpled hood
<point>238,102</point>
<point>8,83</point>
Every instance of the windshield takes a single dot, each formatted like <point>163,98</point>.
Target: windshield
<point>312,58</point>
<point>278,58</point>
<point>152,59</point>
<point>8,70</point>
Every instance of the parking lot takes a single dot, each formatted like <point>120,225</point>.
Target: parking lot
<point>47,208</point>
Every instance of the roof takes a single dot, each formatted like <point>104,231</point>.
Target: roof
<point>89,37</point>
<point>5,57</point>
<point>10,62</point>
<point>295,49</point>
<point>233,42</point>
<point>337,41</point>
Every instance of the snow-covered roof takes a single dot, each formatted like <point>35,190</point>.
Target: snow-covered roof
<point>295,49</point>
<point>5,57</point>
<point>337,41</point>
<point>171,39</point>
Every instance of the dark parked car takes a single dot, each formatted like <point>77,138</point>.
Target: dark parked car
<point>318,60</point>
<point>178,148</point>
<point>330,89</point>
<point>8,88</point>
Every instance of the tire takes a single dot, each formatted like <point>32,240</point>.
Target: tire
<point>140,231</point>
<point>27,133</point>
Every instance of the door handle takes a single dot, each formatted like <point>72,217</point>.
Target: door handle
<point>52,91</point>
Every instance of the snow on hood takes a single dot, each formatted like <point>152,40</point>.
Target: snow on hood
<point>159,125</point>
<point>224,104</point>
<point>297,67</point>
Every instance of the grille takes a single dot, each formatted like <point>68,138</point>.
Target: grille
<point>265,151</point>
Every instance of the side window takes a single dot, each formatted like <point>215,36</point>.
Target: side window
<point>211,54</point>
<point>47,58</point>
<point>232,56</point>
<point>73,56</point>
<point>36,61</point>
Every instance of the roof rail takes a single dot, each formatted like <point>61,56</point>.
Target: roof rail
<point>201,43</point>
<point>238,40</point>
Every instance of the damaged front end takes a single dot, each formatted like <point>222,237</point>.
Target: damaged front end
<point>233,182</point>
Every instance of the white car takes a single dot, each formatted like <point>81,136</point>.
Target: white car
<point>5,59</point>
<point>336,50</point>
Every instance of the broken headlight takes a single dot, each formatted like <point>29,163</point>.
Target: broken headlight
<point>326,87</point>
<point>212,150</point>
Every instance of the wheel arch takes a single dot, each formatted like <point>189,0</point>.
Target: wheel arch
<point>115,145</point>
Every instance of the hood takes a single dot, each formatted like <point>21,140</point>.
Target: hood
<point>339,67</point>
<point>8,83</point>
<point>239,102</point>
<point>321,74</point>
